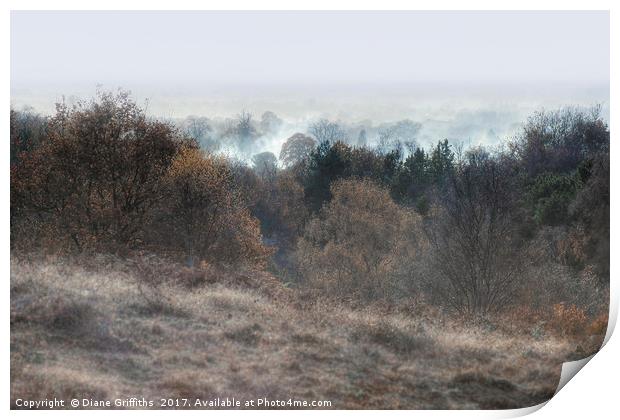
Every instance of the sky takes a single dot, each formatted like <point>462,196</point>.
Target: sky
<point>344,64</point>
<point>309,47</point>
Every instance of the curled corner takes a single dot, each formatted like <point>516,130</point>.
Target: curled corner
<point>522,412</point>
<point>611,321</point>
<point>570,369</point>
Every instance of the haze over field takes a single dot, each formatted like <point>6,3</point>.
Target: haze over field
<point>476,88</point>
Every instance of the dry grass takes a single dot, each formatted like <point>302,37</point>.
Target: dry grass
<point>88,333</point>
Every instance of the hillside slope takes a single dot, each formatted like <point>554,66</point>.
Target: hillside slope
<point>78,333</point>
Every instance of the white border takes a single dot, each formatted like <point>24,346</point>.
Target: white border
<point>592,394</point>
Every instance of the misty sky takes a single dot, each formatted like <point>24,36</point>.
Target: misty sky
<point>371,63</point>
<point>315,47</point>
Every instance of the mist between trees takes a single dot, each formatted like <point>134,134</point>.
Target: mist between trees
<point>362,217</point>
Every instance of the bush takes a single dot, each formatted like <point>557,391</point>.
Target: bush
<point>361,245</point>
<point>96,176</point>
<point>568,320</point>
<point>203,214</point>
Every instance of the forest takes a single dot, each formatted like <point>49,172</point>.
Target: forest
<point>178,258</point>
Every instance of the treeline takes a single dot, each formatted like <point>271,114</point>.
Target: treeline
<point>246,134</point>
<point>102,176</point>
<point>478,230</point>
<point>481,227</point>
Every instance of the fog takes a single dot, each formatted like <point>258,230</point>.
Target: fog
<point>468,114</point>
<point>471,77</point>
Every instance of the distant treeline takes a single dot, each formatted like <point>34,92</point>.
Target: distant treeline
<point>476,229</point>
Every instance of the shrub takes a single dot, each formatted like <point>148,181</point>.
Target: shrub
<point>97,174</point>
<point>568,319</point>
<point>359,244</point>
<point>203,214</point>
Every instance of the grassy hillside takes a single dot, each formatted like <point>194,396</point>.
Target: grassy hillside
<point>97,333</point>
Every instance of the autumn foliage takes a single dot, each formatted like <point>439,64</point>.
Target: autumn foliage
<point>361,243</point>
<point>107,177</point>
<point>476,232</point>
<point>209,221</point>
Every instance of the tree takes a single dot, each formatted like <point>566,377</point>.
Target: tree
<point>270,123</point>
<point>362,138</point>
<point>563,162</point>
<point>366,163</point>
<point>327,163</point>
<point>394,136</point>
<point>359,244</point>
<point>296,148</point>
<point>559,141</point>
<point>414,179</point>
<point>590,211</point>
<point>550,196</point>
<point>388,141</point>
<point>441,163</point>
<point>265,165</point>
<point>326,131</point>
<point>392,162</point>
<point>243,132</point>
<point>210,220</point>
<point>27,129</point>
<point>97,174</point>
<point>476,247</point>
<point>199,128</point>
<point>417,166</point>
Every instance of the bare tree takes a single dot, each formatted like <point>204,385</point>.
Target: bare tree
<point>242,131</point>
<point>199,128</point>
<point>559,140</point>
<point>476,248</point>
<point>326,131</point>
<point>397,136</point>
<point>27,130</point>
